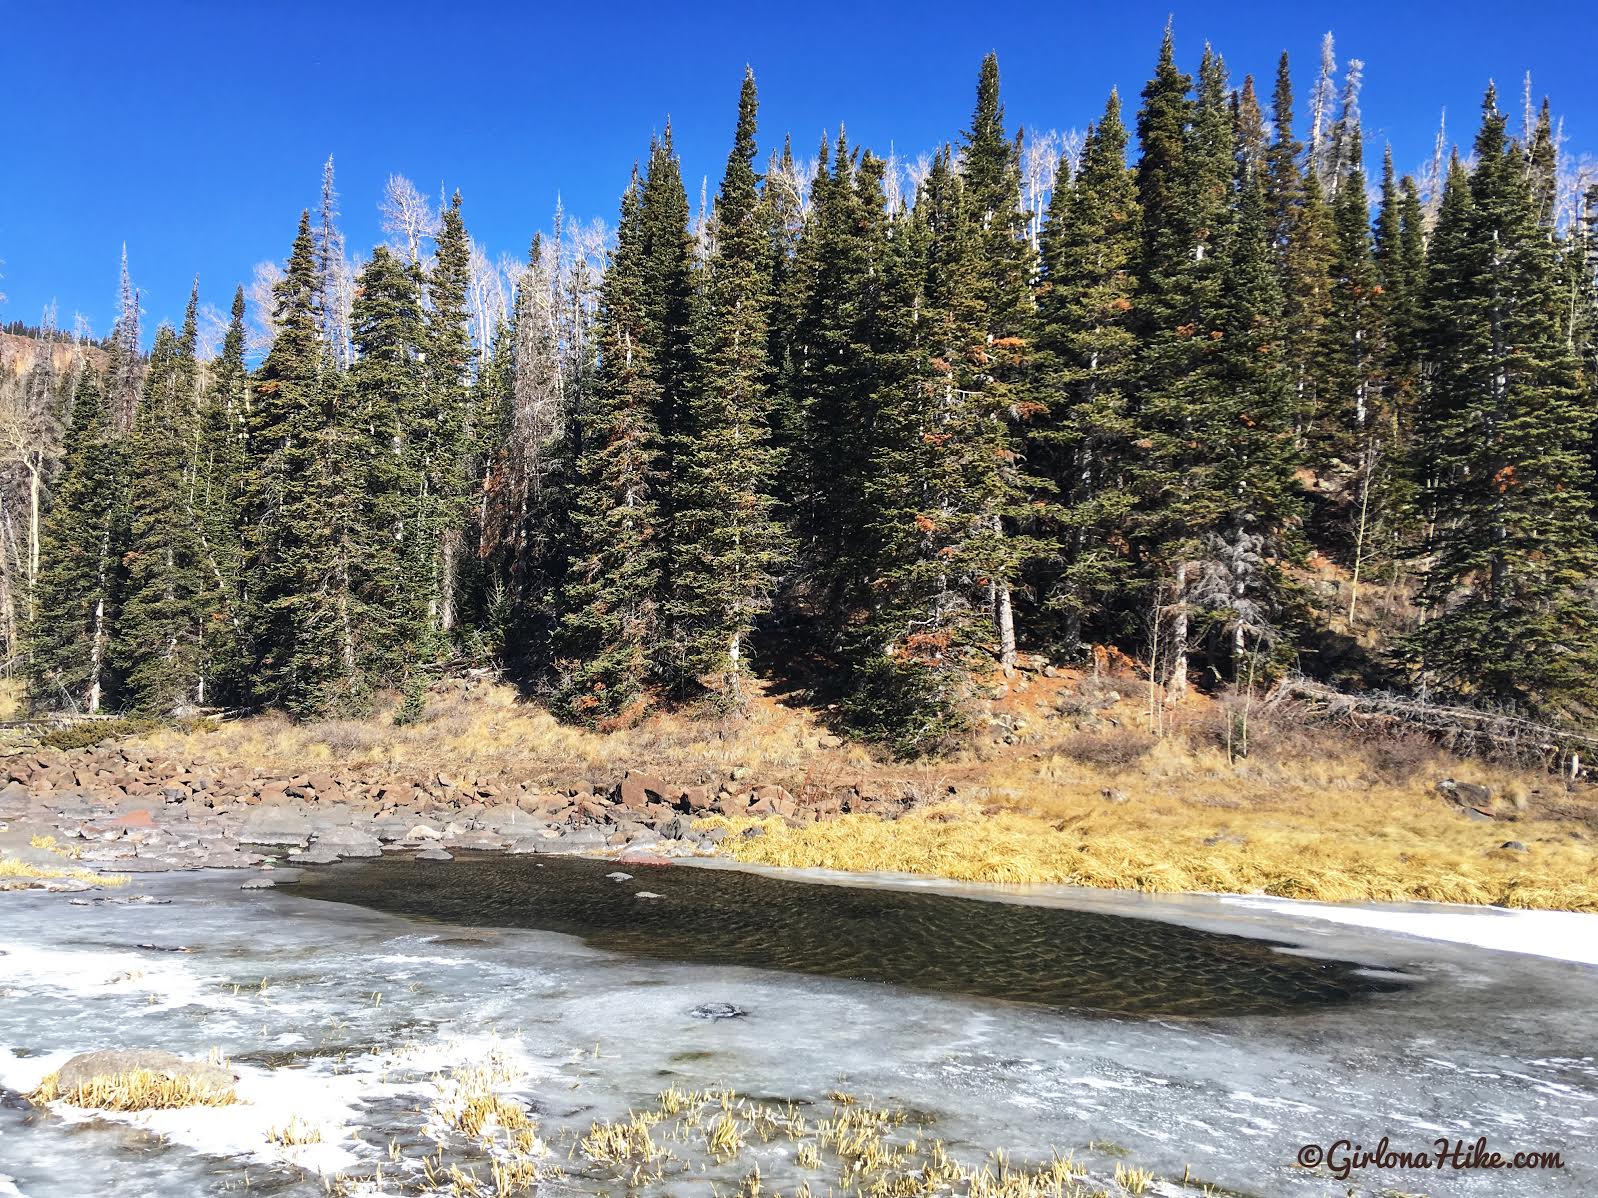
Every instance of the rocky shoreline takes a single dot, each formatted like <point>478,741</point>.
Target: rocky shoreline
<point>123,809</point>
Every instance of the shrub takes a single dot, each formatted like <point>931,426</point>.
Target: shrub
<point>1114,749</point>
<point>93,732</point>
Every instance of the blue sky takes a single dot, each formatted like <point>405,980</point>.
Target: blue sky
<point>195,132</point>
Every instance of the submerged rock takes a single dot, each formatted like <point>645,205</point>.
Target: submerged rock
<point>121,1074</point>
<point>718,1010</point>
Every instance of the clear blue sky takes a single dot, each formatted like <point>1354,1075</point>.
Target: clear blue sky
<point>195,132</point>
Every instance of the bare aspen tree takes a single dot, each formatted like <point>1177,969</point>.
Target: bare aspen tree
<point>262,330</point>
<point>409,218</point>
<point>1432,178</point>
<point>335,293</point>
<point>1040,164</point>
<point>1323,100</point>
<point>488,306</point>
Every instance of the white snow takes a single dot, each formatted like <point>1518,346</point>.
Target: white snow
<point>1562,935</point>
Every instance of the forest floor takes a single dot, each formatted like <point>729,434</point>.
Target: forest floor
<point>1066,784</point>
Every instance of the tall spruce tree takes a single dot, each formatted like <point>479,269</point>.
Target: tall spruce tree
<point>831,377</point>
<point>77,597</point>
<point>215,508</point>
<point>1086,355</point>
<point>1510,619</point>
<point>726,537</point>
<point>396,512</point>
<point>160,632</point>
<point>1301,235</point>
<point>438,426</point>
<point>996,352</point>
<point>303,617</point>
<point>667,297</point>
<point>915,647</point>
<point>608,596</point>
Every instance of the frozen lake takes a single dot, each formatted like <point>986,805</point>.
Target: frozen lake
<point>1111,1026</point>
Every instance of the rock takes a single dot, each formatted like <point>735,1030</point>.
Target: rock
<point>718,1010</point>
<point>648,894</point>
<point>715,835</point>
<point>1514,846</point>
<point>316,855</point>
<point>618,876</point>
<point>263,882</point>
<point>642,855</point>
<point>105,1066</point>
<point>575,840</point>
<point>695,799</point>
<point>275,825</point>
<point>637,789</point>
<point>752,833</point>
<point>483,842</point>
<point>434,852</point>
<point>423,832</point>
<point>1466,794</point>
<point>347,842</point>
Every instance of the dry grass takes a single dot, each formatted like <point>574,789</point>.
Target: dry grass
<point>11,867</point>
<point>858,1149</point>
<point>135,1090</point>
<point>1330,826</point>
<point>295,1133</point>
<point>492,729</point>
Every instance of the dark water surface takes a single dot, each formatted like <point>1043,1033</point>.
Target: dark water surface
<point>1077,960</point>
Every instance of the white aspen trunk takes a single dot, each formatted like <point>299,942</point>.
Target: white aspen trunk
<point>35,486</point>
<point>97,643</point>
<point>1004,618</point>
<point>1177,686</point>
<point>96,653</point>
<point>446,599</point>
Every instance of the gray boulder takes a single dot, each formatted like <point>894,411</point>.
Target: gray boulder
<point>106,1065</point>
<point>347,842</point>
<point>275,825</point>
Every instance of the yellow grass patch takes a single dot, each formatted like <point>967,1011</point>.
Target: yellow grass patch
<point>10,867</point>
<point>135,1090</point>
<point>1297,842</point>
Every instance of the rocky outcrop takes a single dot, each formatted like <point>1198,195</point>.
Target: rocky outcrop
<point>130,810</point>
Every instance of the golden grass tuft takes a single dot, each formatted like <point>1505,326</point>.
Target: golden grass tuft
<point>135,1090</point>
<point>295,1133</point>
<point>11,867</point>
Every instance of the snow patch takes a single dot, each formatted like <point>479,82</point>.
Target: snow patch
<point>1561,935</point>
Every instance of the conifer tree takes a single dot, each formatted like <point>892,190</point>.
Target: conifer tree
<point>995,352</point>
<point>1086,354</point>
<point>831,378</point>
<point>437,426</point>
<point>1183,180</point>
<point>304,617</point>
<point>160,632</point>
<point>913,650</point>
<point>1511,552</point>
<point>215,508</point>
<point>401,533</point>
<point>667,296</point>
<point>70,662</point>
<point>1301,236</point>
<point>726,538</point>
<point>608,596</point>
